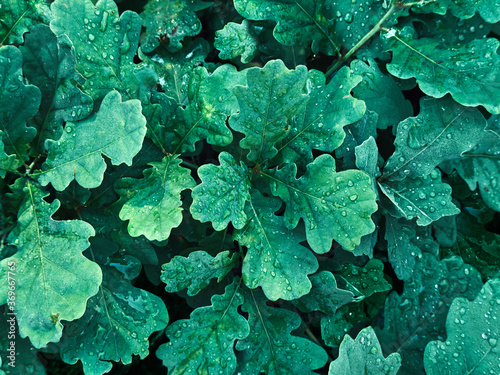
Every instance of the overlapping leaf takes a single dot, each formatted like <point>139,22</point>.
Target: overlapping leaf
<point>169,22</point>
<point>117,322</point>
<point>443,130</point>
<point>273,96</point>
<point>368,279</point>
<point>334,206</point>
<point>211,329</point>
<point>270,347</point>
<point>418,315</point>
<point>297,21</point>
<point>364,356</point>
<point>275,259</point>
<point>471,81</point>
<point>235,40</point>
<point>18,102</point>
<point>18,16</point>
<point>152,205</point>
<point>195,271</point>
<point>56,279</point>
<point>488,9</point>
<point>8,163</point>
<point>50,65</point>
<point>319,124</point>
<point>472,335</point>
<point>367,159</point>
<point>222,194</point>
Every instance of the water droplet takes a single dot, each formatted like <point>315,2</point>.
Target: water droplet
<point>91,37</point>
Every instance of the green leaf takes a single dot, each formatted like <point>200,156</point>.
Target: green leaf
<point>471,81</point>
<point>418,315</point>
<point>275,260</point>
<point>319,124</point>
<point>235,40</point>
<point>297,21</point>
<point>55,279</point>
<point>368,279</point>
<point>270,347</point>
<point>117,322</point>
<point>211,329</point>
<point>427,199</point>
<point>480,168</point>
<point>19,16</point>
<point>364,356</point>
<point>222,194</point>
<point>153,204</point>
<point>445,231</point>
<point>381,94</point>
<point>325,295</point>
<point>105,44</point>
<point>273,96</point>
<point>443,130</point>
<point>18,102</point>
<point>488,9</point>
<point>8,163</point>
<point>472,336</point>
<point>195,271</point>
<point>334,206</point>
<point>367,158</point>
<point>168,22</point>
<point>116,131</point>
<point>49,63</point>
<point>334,327</point>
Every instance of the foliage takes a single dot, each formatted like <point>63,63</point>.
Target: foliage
<point>249,186</point>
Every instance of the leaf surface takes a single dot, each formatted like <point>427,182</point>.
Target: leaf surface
<point>236,40</point>
<point>488,9</point>
<point>19,16</point>
<point>116,131</point>
<point>368,279</point>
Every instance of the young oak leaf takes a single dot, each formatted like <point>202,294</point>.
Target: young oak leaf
<point>57,279</point>
<point>471,81</point>
<point>116,131</point>
<point>334,205</point>
<point>275,260</point>
<point>195,271</point>
<point>368,279</point>
<point>222,194</point>
<point>235,40</point>
<point>8,163</point>
<point>18,102</point>
<point>464,9</point>
<point>117,322</point>
<point>153,204</point>
<point>270,347</point>
<point>443,130</point>
<point>319,124</point>
<point>472,336</point>
<point>427,199</point>
<point>273,96</point>
<point>364,356</point>
<point>204,342</point>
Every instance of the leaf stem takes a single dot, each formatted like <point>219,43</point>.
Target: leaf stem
<point>189,164</point>
<point>395,6</point>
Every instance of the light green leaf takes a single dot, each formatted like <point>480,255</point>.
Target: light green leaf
<point>472,336</point>
<point>427,199</point>
<point>211,329</point>
<point>273,96</point>
<point>471,81</point>
<point>168,22</point>
<point>368,279</point>
<point>297,21</point>
<point>417,316</point>
<point>367,158</point>
<point>275,259</point>
<point>334,206</point>
<point>270,347</point>
<point>319,124</point>
<point>443,130</point>
<point>195,271</point>
<point>488,9</point>
<point>222,194</point>
<point>117,322</point>
<point>325,295</point>
<point>116,131</point>
<point>49,63</point>
<point>381,94</point>
<point>8,163</point>
<point>19,16</point>
<point>235,40</point>
<point>55,280</point>
<point>105,44</point>
<point>364,356</point>
<point>153,204</point>
<point>18,102</point>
